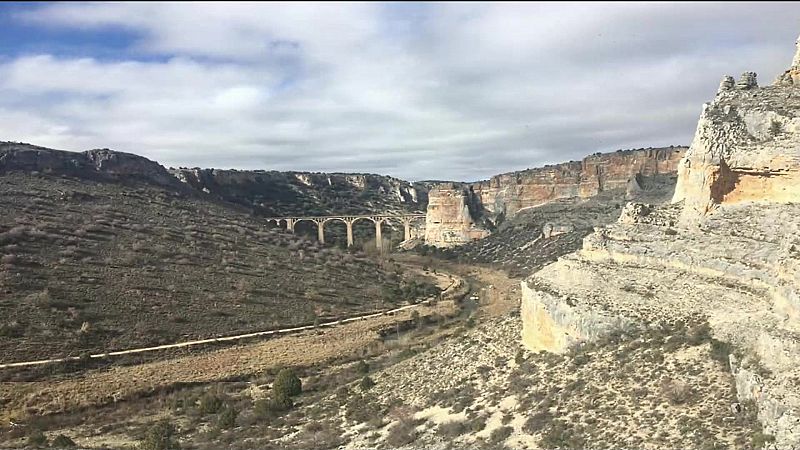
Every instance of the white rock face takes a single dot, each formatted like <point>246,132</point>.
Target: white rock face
<point>726,251</point>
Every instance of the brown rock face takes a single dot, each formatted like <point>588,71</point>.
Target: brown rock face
<point>504,195</point>
<point>449,220</point>
<point>746,149</point>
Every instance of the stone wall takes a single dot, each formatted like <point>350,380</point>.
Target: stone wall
<point>504,195</point>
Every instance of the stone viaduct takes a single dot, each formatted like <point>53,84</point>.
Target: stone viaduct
<point>405,219</point>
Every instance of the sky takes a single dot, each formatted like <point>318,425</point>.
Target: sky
<point>446,91</point>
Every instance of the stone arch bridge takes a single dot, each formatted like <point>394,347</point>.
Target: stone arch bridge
<point>378,220</point>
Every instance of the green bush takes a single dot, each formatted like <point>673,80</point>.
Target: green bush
<point>287,384</point>
<point>500,434</point>
<point>362,367</point>
<point>227,418</point>
<point>37,439</point>
<point>209,403</point>
<point>273,406</point>
<point>366,383</point>
<point>62,441</point>
<point>160,436</point>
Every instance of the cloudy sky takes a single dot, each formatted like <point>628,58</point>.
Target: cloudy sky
<point>418,91</point>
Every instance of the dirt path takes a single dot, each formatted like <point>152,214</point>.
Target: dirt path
<point>444,281</point>
<point>498,295</point>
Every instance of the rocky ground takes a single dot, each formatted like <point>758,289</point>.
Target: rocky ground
<point>731,270</point>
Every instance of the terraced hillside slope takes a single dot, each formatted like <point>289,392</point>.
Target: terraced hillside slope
<point>104,250</point>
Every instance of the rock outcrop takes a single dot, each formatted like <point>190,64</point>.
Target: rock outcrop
<point>94,164</point>
<point>504,195</point>
<point>746,147</point>
<point>273,193</point>
<point>725,253</point>
<point>450,219</point>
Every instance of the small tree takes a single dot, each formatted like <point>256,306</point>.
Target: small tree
<point>227,418</point>
<point>62,441</point>
<point>37,439</point>
<point>775,127</point>
<point>287,384</point>
<point>366,383</point>
<point>160,436</point>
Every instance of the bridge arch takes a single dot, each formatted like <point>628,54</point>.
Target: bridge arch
<point>349,221</point>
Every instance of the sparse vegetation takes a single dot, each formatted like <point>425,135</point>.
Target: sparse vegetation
<point>161,436</point>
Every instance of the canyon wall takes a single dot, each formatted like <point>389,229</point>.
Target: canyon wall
<point>725,254</point>
<point>502,196</point>
<point>746,147</point>
<point>273,193</point>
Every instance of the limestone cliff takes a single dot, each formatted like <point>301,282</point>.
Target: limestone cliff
<point>450,219</point>
<point>724,253</point>
<point>746,147</point>
<point>504,195</point>
<point>273,193</point>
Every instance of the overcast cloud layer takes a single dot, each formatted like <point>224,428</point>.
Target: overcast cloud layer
<point>418,91</point>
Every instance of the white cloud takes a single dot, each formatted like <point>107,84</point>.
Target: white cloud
<point>435,90</point>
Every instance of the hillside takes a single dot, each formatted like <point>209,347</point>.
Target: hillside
<point>273,193</point>
<point>104,250</point>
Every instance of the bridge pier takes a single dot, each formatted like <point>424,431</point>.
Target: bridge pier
<point>406,229</point>
<point>349,225</point>
<point>378,237</point>
<point>290,225</point>
<point>320,230</point>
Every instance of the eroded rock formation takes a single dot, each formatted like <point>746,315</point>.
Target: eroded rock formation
<point>725,253</point>
<point>504,195</point>
<point>746,147</point>
<point>450,220</point>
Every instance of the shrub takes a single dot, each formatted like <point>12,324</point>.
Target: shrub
<point>677,392</point>
<point>500,434</point>
<point>227,418</point>
<point>362,367</point>
<point>36,438</point>
<point>401,433</point>
<point>62,441</point>
<point>721,351</point>
<point>366,383</point>
<point>775,127</point>
<point>273,406</point>
<point>210,403</point>
<point>287,384</point>
<point>160,436</point>
<point>453,429</point>
<point>760,439</point>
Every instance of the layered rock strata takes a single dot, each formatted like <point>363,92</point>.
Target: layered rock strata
<point>503,196</point>
<point>727,252</point>
<point>746,147</point>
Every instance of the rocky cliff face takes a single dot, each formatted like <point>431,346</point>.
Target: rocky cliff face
<point>451,215</point>
<point>746,147</point>
<point>272,193</point>
<point>503,196</point>
<point>97,164</point>
<point>725,253</point>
